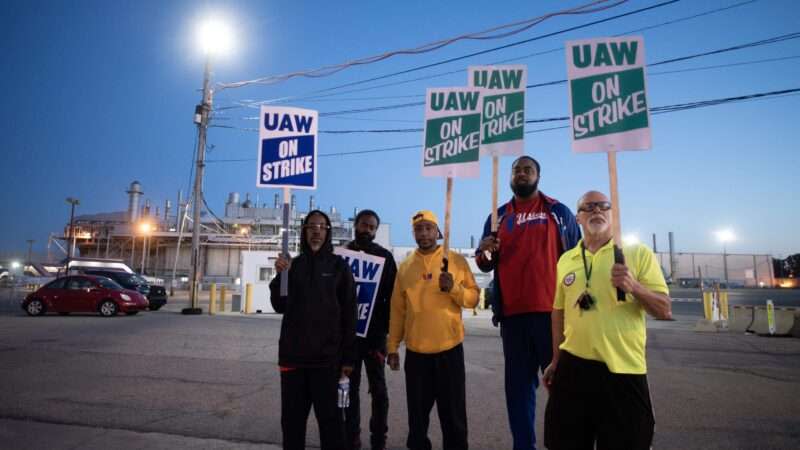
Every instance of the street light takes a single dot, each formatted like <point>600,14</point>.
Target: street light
<point>214,38</point>
<point>245,231</point>
<point>73,202</point>
<point>630,239</point>
<point>725,236</point>
<point>144,229</point>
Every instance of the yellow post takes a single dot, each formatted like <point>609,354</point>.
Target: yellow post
<point>707,304</point>
<point>248,299</point>
<point>723,305</point>
<point>212,300</point>
<point>222,292</point>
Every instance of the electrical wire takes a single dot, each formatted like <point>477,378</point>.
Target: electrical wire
<point>516,27</point>
<point>655,111</point>
<point>219,222</point>
<point>390,97</point>
<point>312,97</point>
<point>768,41</point>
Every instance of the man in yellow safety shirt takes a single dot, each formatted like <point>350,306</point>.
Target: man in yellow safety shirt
<point>599,397</point>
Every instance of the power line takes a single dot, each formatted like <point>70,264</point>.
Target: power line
<point>516,27</point>
<point>218,220</point>
<point>310,96</point>
<point>414,69</point>
<point>721,66</point>
<point>655,111</point>
<point>391,97</point>
<point>502,47</point>
<point>768,41</point>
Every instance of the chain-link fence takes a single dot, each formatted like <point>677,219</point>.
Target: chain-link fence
<point>740,270</point>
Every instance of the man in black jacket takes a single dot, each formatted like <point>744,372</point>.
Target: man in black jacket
<point>317,343</point>
<point>372,348</point>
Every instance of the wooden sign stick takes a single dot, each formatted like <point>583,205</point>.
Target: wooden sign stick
<point>612,178</point>
<point>448,204</point>
<point>495,168</point>
<point>619,258</point>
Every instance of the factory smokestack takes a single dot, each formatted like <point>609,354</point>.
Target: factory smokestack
<point>134,192</point>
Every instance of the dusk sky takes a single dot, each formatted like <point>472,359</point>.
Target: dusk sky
<point>100,93</point>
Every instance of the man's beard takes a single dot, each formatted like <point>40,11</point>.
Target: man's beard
<point>364,238</point>
<point>431,244</point>
<point>524,190</point>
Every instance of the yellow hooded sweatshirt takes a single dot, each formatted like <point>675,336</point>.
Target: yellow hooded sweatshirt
<point>428,319</point>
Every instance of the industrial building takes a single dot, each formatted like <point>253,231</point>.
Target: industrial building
<point>157,242</point>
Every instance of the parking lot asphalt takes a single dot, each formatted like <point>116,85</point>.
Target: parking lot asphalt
<point>165,380</point>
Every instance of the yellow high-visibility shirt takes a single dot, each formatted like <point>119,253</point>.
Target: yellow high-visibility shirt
<point>611,331</point>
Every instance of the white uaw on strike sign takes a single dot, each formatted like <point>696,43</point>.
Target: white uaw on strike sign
<point>608,95</point>
<point>287,150</point>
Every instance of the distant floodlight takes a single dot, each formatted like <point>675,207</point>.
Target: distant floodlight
<point>215,37</point>
<point>725,236</point>
<point>15,264</point>
<point>630,239</point>
<point>145,227</point>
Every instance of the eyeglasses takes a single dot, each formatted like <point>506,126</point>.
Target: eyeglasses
<point>590,206</point>
<point>316,226</point>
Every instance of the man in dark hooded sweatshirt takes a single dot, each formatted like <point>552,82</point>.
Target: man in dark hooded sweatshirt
<point>317,343</point>
<point>372,348</point>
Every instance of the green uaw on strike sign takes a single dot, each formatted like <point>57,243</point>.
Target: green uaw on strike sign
<point>452,133</point>
<point>608,95</point>
<point>503,112</point>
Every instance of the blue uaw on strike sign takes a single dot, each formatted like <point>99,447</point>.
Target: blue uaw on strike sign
<point>287,148</point>
<point>367,271</point>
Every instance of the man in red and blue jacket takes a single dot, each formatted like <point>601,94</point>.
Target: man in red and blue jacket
<point>533,231</point>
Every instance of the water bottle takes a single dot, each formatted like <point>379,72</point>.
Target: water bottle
<point>344,392</point>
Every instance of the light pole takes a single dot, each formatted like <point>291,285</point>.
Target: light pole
<point>30,250</point>
<point>73,202</point>
<point>214,38</point>
<point>144,228</point>
<point>725,236</point>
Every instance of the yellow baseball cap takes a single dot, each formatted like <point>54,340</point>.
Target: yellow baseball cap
<point>426,215</point>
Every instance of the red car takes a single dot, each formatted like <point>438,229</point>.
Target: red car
<point>84,293</point>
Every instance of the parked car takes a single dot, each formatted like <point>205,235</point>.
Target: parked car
<point>84,293</point>
<point>156,295</point>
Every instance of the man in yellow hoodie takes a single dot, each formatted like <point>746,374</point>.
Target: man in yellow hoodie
<point>426,314</point>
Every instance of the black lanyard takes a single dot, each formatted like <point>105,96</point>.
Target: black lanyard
<point>587,270</point>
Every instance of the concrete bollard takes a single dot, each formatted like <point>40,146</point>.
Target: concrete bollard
<point>212,300</point>
<point>248,299</point>
<point>222,292</point>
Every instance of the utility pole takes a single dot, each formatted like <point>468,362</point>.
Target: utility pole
<point>31,241</point>
<point>725,261</point>
<point>72,202</point>
<point>202,112</point>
